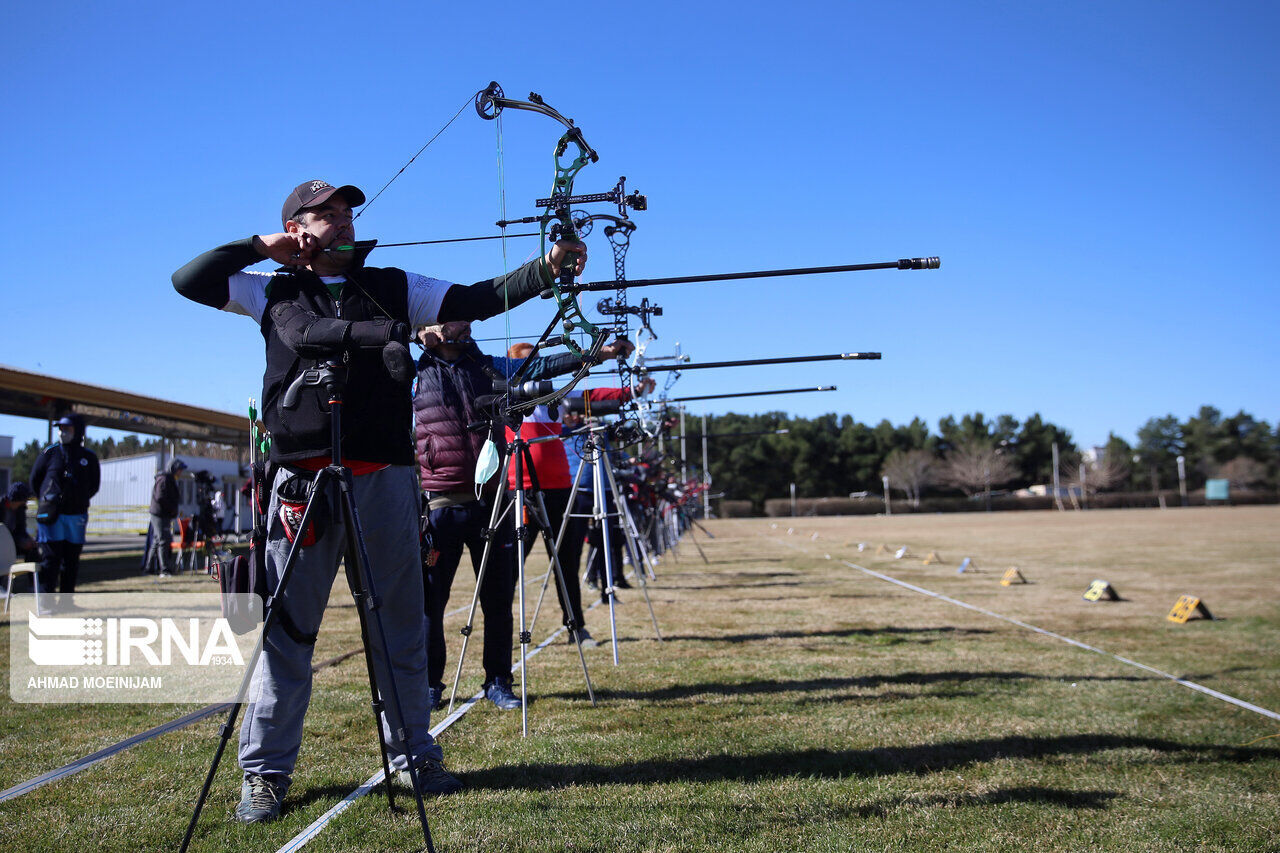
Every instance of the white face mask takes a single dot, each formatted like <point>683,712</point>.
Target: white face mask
<point>487,464</point>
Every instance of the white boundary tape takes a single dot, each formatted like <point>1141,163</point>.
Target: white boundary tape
<point>1190,684</point>
<point>105,753</point>
<point>74,767</point>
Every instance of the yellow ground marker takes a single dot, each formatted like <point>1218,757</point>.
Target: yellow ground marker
<point>1011,577</point>
<point>1186,607</point>
<point>1101,590</point>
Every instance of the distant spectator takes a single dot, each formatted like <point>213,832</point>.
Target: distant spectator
<point>219,510</point>
<point>164,509</point>
<point>15,519</point>
<point>65,478</point>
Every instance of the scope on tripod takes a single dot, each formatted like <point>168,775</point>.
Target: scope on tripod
<point>579,406</point>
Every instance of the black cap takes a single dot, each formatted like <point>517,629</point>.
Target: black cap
<point>65,420</point>
<point>312,193</point>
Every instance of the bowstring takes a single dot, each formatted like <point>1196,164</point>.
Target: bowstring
<point>411,159</point>
<point>502,217</point>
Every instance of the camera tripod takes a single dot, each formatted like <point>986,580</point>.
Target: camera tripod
<point>518,457</point>
<point>596,455</point>
<point>335,481</point>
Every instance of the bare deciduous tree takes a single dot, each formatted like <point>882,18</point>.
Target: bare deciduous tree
<point>1091,476</point>
<point>1243,472</point>
<point>910,471</point>
<point>975,466</point>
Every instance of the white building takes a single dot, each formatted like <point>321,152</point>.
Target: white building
<point>122,504</point>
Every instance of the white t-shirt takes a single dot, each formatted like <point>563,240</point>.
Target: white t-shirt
<point>248,295</point>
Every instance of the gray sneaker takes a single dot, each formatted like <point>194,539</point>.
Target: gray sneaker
<point>588,641</point>
<point>433,778</point>
<point>260,799</point>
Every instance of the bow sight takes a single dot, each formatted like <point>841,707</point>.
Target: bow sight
<point>611,308</point>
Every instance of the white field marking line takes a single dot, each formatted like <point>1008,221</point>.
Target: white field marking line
<point>74,767</point>
<point>373,781</point>
<point>105,753</point>
<point>1191,684</point>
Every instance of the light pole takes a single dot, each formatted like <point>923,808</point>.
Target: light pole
<point>1182,478</point>
<point>684,459</point>
<point>706,474</point>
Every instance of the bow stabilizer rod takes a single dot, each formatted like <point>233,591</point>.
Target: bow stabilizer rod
<point>748,394</point>
<point>931,263</point>
<point>840,356</point>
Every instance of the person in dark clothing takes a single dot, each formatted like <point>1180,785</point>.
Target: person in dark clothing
<point>452,374</point>
<point>65,477</point>
<point>15,519</point>
<point>164,510</point>
<point>322,275</point>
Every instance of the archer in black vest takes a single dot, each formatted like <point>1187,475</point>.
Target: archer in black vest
<point>322,272</point>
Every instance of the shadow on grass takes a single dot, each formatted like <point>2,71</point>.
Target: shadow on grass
<point>840,764</point>
<point>1030,794</point>
<point>835,632</point>
<point>742,585</point>
<point>774,686</point>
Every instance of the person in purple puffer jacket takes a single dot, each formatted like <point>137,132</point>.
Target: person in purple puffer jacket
<point>452,374</point>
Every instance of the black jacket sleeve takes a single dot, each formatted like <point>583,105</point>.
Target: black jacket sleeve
<point>38,472</point>
<point>204,279</point>
<point>486,299</point>
<point>92,476</point>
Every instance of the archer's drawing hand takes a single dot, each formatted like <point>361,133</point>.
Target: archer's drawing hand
<point>294,250</point>
<point>561,252</point>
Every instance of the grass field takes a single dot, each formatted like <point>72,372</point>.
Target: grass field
<point>796,704</point>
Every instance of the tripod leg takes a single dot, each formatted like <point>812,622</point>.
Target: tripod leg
<point>542,593</point>
<point>601,514</point>
<point>361,601</point>
<point>364,575</point>
<point>270,619</point>
<point>495,519</point>
<point>639,545</point>
<point>693,537</point>
<point>624,518</point>
<point>673,535</point>
<point>554,559</point>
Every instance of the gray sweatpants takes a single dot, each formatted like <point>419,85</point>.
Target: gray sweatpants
<point>387,506</point>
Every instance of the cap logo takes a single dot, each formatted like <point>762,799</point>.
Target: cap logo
<point>316,186</point>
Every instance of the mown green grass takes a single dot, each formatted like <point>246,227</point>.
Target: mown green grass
<point>795,704</point>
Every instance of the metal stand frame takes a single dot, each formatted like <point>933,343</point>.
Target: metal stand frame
<point>518,450</point>
<point>593,454</point>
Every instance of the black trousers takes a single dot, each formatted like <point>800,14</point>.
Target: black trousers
<point>451,529</point>
<point>595,537</point>
<point>59,560</point>
<point>570,553</point>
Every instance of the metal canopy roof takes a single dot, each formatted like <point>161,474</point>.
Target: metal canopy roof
<point>35,395</point>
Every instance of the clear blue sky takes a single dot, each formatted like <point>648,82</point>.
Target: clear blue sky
<point>1098,178</point>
